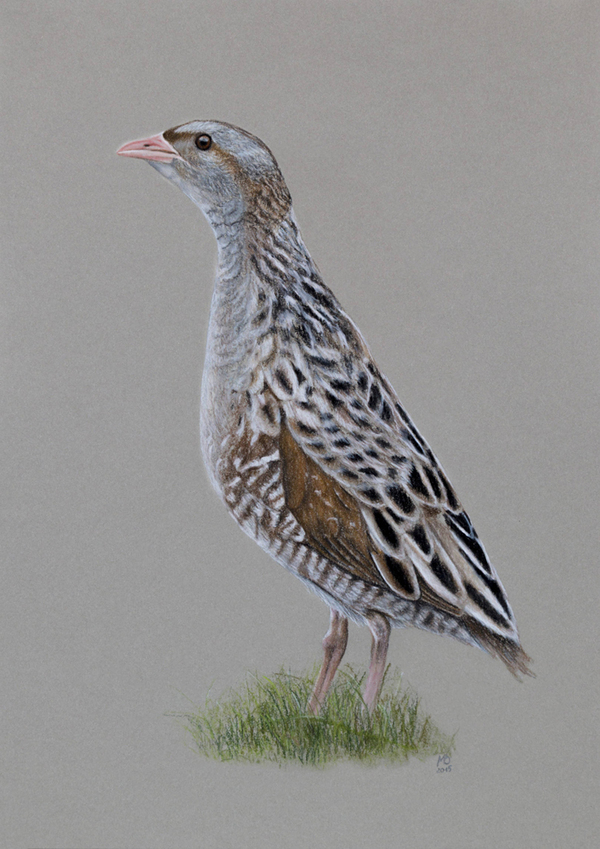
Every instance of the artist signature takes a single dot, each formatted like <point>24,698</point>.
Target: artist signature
<point>443,763</point>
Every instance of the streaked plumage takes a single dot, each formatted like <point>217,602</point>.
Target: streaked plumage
<point>305,440</point>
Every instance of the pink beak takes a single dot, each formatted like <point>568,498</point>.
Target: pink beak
<point>156,148</point>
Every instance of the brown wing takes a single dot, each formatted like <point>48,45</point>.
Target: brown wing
<point>335,526</point>
<point>330,517</point>
<point>345,418</point>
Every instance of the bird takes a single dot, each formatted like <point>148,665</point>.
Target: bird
<point>305,440</point>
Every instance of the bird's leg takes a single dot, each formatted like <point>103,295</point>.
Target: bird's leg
<point>334,646</point>
<point>380,629</point>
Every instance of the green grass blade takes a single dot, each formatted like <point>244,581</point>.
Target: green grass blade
<point>269,721</point>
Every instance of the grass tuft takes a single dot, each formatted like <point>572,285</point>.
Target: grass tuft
<point>268,720</point>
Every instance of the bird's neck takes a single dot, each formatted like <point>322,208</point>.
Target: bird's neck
<point>228,226</point>
<point>233,339</point>
<point>263,273</point>
<point>235,299</point>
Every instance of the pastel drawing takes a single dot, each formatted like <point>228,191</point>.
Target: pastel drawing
<point>304,439</point>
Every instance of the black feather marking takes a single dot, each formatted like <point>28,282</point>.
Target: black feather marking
<point>471,542</point>
<point>374,397</point>
<point>321,297</point>
<point>387,532</point>
<point>355,458</point>
<point>465,523</point>
<point>301,331</point>
<point>433,481</point>
<point>258,319</point>
<point>484,604</point>
<point>400,497</point>
<point>383,443</point>
<point>333,400</point>
<point>361,421</point>
<point>429,619</point>
<point>408,436</point>
<point>496,589</point>
<point>272,268</point>
<point>371,493</point>
<point>443,574</point>
<point>400,574</point>
<point>268,413</point>
<point>402,412</point>
<point>398,519</point>
<point>299,376</point>
<point>322,361</point>
<point>341,385</point>
<point>449,491</point>
<point>277,307</point>
<point>304,428</point>
<point>342,443</point>
<point>417,435</point>
<point>283,381</point>
<point>386,412</point>
<point>350,475</point>
<point>416,482</point>
<point>396,458</point>
<point>369,471</point>
<point>371,453</point>
<point>362,382</point>
<point>420,537</point>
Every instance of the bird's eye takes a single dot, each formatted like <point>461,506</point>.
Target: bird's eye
<point>203,141</point>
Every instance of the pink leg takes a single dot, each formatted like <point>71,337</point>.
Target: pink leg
<point>380,629</point>
<point>334,646</point>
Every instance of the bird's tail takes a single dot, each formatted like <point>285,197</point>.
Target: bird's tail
<point>509,651</point>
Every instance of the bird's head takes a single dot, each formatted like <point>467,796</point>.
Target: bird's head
<point>229,173</point>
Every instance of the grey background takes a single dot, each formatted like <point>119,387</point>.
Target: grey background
<point>442,160</point>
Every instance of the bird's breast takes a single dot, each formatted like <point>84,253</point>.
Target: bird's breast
<point>239,422</point>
